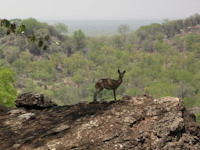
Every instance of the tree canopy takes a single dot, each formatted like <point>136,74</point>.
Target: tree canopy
<point>61,28</point>
<point>8,93</point>
<point>79,39</point>
<point>160,59</point>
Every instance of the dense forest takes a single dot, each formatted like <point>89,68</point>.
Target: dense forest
<point>159,59</point>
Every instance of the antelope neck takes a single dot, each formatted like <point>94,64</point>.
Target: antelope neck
<point>120,79</point>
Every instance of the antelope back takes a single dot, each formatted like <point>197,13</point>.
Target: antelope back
<point>107,84</point>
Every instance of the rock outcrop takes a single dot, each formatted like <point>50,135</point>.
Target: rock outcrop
<point>137,123</point>
<point>33,101</point>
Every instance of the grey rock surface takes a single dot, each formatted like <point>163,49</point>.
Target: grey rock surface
<point>136,123</point>
<point>33,101</point>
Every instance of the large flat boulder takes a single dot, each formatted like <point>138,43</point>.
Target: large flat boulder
<point>135,123</point>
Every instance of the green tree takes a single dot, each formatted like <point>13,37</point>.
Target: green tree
<point>7,91</point>
<point>117,41</point>
<point>198,118</point>
<point>61,28</point>
<point>2,31</point>
<point>31,25</point>
<point>159,46</point>
<point>78,79</point>
<point>79,39</point>
<point>149,32</point>
<point>19,66</point>
<point>192,42</point>
<point>161,89</point>
<point>172,27</point>
<point>123,29</point>
<point>185,90</point>
<point>129,47</point>
<point>11,53</point>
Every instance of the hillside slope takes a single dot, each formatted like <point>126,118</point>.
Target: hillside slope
<point>158,55</point>
<point>131,123</point>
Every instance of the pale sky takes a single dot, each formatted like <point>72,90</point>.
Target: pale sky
<point>98,9</point>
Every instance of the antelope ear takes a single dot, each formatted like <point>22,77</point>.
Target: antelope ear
<point>124,71</point>
<point>118,71</point>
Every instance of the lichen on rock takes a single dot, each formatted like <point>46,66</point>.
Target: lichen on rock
<point>137,123</point>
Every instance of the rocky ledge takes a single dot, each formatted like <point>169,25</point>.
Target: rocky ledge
<point>33,101</point>
<point>137,123</point>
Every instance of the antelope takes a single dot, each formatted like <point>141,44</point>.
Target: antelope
<point>109,84</point>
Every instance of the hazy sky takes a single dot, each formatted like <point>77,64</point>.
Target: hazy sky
<point>98,9</point>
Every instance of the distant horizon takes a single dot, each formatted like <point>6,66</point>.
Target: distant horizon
<point>87,19</point>
<point>98,19</point>
<point>101,27</point>
<point>111,19</point>
<point>94,20</point>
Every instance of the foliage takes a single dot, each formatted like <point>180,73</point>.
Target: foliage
<point>28,27</point>
<point>123,29</point>
<point>79,39</point>
<point>198,118</point>
<point>11,27</point>
<point>159,59</point>
<point>159,89</point>
<point>61,28</point>
<point>7,91</point>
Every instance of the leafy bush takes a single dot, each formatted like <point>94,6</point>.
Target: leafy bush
<point>7,91</point>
